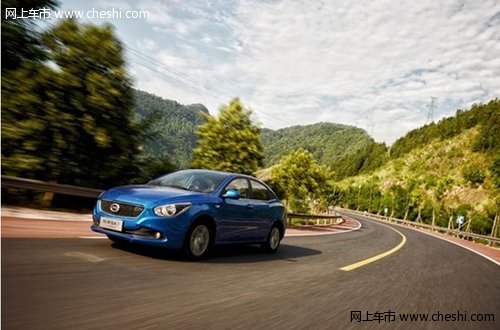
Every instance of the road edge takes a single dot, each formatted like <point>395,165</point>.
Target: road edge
<point>433,235</point>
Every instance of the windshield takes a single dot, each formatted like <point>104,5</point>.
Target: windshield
<point>199,181</point>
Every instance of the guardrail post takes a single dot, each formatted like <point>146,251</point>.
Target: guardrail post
<point>316,219</point>
<point>456,232</point>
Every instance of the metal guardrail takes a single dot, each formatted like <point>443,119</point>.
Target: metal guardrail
<point>449,231</point>
<point>65,189</point>
<point>324,219</point>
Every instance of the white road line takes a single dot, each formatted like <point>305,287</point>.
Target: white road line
<point>466,247</point>
<point>64,220</point>
<point>26,213</point>
<point>439,237</point>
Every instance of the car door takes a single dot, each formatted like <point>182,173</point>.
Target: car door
<point>235,215</point>
<point>262,200</point>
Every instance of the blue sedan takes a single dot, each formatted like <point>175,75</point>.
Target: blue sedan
<point>192,210</point>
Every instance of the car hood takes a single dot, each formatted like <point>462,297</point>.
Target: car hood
<point>144,194</point>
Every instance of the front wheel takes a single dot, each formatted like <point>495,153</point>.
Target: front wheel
<point>273,240</point>
<point>198,241</point>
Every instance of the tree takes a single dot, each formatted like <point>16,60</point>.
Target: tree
<point>230,142</point>
<point>20,40</point>
<point>301,178</point>
<point>69,119</point>
<point>490,125</point>
<point>171,129</point>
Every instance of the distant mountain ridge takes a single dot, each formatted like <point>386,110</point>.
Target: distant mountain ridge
<point>173,134</point>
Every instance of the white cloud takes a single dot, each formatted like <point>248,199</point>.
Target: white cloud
<point>159,11</point>
<point>372,64</point>
<point>147,44</point>
<point>116,4</point>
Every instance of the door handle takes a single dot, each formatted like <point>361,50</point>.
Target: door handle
<point>249,206</point>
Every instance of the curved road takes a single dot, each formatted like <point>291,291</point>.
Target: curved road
<point>92,283</point>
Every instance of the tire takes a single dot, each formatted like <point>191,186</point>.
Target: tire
<point>273,240</point>
<point>198,241</point>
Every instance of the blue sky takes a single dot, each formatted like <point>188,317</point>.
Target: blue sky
<point>375,65</point>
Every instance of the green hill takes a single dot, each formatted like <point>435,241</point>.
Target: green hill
<point>328,142</point>
<point>437,172</point>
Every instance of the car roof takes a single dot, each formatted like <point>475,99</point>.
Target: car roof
<point>229,174</point>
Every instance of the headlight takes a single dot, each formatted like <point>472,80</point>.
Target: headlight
<point>169,210</point>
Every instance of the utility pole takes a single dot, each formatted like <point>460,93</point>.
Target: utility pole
<point>370,202</point>
<point>431,106</point>
<point>359,191</point>
<point>467,229</point>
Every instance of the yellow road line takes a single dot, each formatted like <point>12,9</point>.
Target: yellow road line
<point>379,256</point>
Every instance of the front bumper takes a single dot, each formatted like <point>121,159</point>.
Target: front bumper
<point>147,229</point>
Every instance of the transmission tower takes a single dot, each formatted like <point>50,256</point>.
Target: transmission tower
<point>430,114</point>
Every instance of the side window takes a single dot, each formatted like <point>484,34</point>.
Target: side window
<point>241,185</point>
<point>259,191</point>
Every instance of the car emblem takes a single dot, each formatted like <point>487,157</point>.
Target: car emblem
<point>114,207</point>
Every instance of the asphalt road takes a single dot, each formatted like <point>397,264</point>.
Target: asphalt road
<point>86,283</point>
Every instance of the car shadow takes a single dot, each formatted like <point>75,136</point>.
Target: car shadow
<point>254,253</point>
<point>224,253</point>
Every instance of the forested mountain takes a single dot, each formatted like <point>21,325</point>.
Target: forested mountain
<point>326,141</point>
<point>172,134</point>
<point>171,127</point>
<point>437,172</point>
<point>487,116</point>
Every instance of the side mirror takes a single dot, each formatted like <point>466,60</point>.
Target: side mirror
<point>232,194</point>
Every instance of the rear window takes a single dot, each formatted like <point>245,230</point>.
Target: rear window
<point>260,192</point>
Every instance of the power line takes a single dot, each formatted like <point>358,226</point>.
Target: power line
<point>178,74</point>
<point>185,80</point>
<point>181,76</point>
<point>171,77</point>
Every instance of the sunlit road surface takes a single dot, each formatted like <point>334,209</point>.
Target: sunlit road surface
<point>18,222</point>
<point>77,283</point>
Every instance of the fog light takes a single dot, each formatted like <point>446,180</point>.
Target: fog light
<point>158,235</point>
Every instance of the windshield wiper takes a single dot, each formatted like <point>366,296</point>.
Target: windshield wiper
<point>153,183</point>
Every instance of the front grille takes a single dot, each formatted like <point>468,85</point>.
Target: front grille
<point>126,210</point>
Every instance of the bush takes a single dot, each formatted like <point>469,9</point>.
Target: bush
<point>495,171</point>
<point>473,175</point>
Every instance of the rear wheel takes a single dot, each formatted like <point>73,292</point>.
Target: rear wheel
<point>273,240</point>
<point>198,241</point>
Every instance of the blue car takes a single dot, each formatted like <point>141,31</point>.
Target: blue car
<point>192,210</point>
